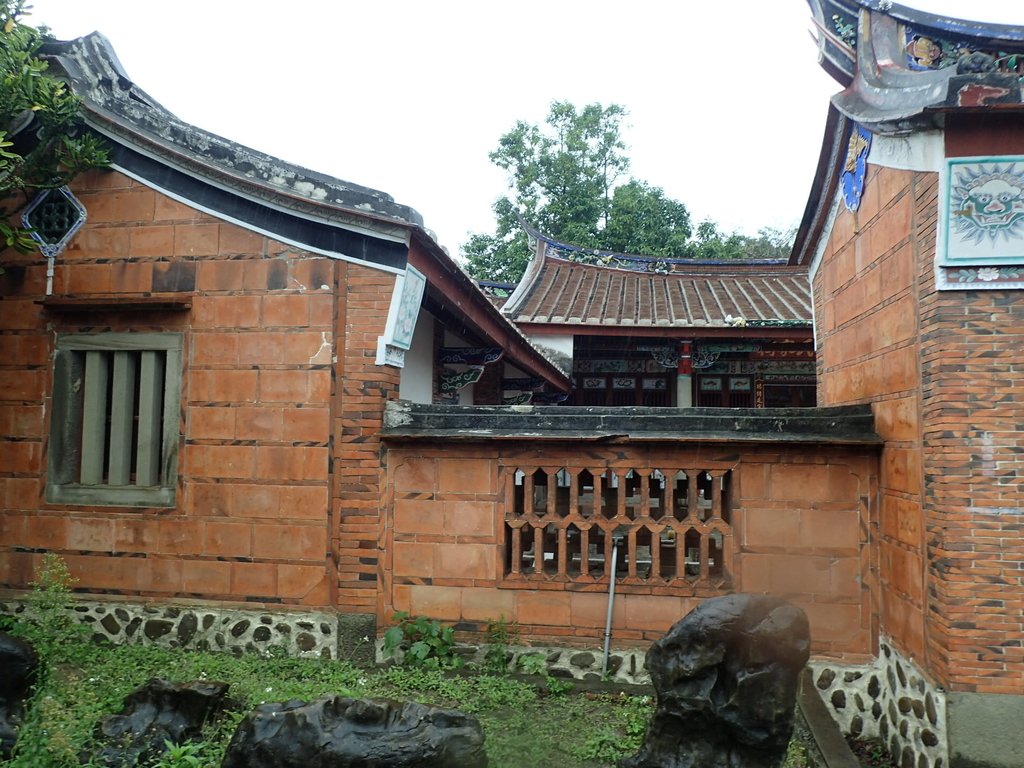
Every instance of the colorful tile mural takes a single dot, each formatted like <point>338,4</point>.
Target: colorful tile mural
<point>981,229</point>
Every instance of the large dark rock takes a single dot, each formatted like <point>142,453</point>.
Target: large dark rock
<point>156,712</point>
<point>340,732</point>
<point>726,678</point>
<point>19,665</point>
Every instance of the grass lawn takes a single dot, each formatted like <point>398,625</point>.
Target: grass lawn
<point>524,727</point>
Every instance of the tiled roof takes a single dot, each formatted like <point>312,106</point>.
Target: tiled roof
<point>691,295</point>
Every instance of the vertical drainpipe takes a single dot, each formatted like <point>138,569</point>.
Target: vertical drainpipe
<point>617,535</point>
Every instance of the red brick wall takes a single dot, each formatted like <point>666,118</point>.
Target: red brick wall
<point>258,517</point>
<point>800,520</point>
<point>942,372</point>
<point>866,306</point>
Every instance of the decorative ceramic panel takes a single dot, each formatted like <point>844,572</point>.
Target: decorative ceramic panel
<point>981,223</point>
<point>856,167</point>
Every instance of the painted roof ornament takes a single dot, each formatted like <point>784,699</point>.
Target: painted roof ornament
<point>856,166</point>
<point>898,65</point>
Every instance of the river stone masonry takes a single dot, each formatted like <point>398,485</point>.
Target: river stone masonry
<point>627,667</point>
<point>890,700</point>
<point>204,628</point>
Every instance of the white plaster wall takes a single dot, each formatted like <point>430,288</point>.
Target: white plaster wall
<point>557,348</point>
<point>417,379</point>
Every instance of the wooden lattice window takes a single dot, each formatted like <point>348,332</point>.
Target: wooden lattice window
<point>114,424</point>
<point>674,525</point>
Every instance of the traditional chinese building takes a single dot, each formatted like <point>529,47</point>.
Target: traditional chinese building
<point>197,360</point>
<point>648,331</point>
<point>914,239</point>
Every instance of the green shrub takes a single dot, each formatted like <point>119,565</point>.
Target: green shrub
<point>423,642</point>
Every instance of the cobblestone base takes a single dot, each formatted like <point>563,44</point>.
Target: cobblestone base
<point>625,667</point>
<point>891,701</point>
<point>235,631</point>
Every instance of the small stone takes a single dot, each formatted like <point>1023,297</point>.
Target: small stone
<point>892,679</point>
<point>907,757</point>
<point>187,627</point>
<point>922,761</point>
<point>894,716</point>
<point>240,628</point>
<point>157,628</point>
<point>856,726</point>
<point>283,629</point>
<point>109,623</point>
<point>859,701</point>
<point>325,629</point>
<point>553,656</point>
<point>839,699</point>
<point>852,677</point>
<point>306,625</point>
<point>929,708</point>
<point>825,679</point>
<point>904,704</point>
<point>264,619</point>
<point>873,687</point>
<point>583,660</point>
<point>929,739</point>
<point>918,706</point>
<point>883,728</point>
<point>121,614</point>
<point>902,676</point>
<point>133,627</point>
<point>904,728</point>
<point>261,634</point>
<point>208,620</point>
<point>305,642</point>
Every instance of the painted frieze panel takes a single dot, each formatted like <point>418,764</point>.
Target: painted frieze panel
<point>856,167</point>
<point>981,223</point>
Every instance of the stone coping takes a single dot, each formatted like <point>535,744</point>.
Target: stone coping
<point>840,425</point>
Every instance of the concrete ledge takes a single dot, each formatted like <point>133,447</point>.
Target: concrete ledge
<point>830,743</point>
<point>844,425</point>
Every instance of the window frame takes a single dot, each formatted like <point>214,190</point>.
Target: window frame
<point>67,430</point>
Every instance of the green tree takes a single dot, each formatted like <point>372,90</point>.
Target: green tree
<point>770,243</point>
<point>568,178</point>
<point>42,141</point>
<point>562,177</point>
<point>643,221</point>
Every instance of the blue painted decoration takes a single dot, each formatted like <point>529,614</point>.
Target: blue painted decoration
<point>855,169</point>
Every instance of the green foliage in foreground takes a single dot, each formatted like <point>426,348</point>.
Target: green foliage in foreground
<point>524,727</point>
<point>42,144</point>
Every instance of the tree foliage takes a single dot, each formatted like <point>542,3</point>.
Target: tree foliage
<point>569,178</point>
<point>42,144</point>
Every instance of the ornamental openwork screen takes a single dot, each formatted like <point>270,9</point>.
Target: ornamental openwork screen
<point>672,525</point>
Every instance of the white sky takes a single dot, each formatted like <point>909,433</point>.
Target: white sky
<point>727,102</point>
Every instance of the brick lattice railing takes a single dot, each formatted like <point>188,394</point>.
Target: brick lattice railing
<point>674,524</point>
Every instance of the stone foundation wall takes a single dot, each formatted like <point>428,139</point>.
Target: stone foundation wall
<point>232,630</point>
<point>624,666</point>
<point>890,700</point>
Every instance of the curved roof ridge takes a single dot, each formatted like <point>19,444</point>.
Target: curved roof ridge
<point>113,104</point>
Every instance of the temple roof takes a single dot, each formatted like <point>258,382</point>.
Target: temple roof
<point>295,204</point>
<point>901,68</point>
<point>561,288</point>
